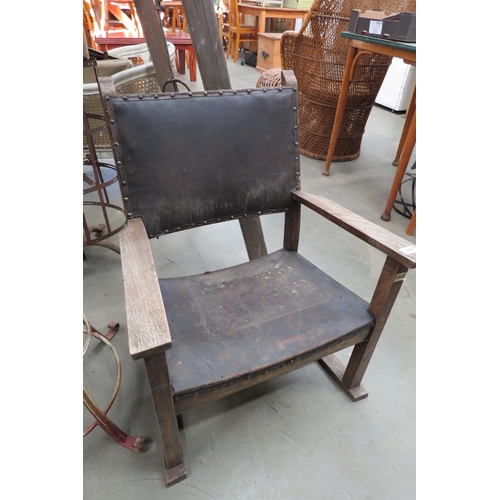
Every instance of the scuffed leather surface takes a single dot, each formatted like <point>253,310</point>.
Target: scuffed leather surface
<point>187,160</point>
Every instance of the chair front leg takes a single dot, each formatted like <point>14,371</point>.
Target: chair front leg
<point>161,392</point>
<point>388,286</point>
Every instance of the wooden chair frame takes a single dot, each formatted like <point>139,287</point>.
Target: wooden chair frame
<point>239,32</point>
<point>149,329</point>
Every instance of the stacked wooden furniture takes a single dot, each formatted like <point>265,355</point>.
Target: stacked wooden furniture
<point>105,16</point>
<point>108,39</point>
<point>239,33</point>
<point>178,20</point>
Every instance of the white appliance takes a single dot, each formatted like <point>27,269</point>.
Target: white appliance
<point>397,87</point>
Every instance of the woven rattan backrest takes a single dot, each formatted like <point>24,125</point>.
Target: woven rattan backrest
<point>139,79</point>
<point>194,158</point>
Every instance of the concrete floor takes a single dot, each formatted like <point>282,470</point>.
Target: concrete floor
<point>298,436</point>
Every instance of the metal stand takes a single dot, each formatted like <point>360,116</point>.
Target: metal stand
<point>407,207</point>
<point>103,221</point>
<point>132,443</point>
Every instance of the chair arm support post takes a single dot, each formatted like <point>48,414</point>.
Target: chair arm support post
<point>393,246</point>
<point>161,392</point>
<point>390,281</point>
<point>292,229</point>
<point>147,324</point>
<point>385,294</point>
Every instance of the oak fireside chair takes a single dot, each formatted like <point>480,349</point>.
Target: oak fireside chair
<point>203,337</point>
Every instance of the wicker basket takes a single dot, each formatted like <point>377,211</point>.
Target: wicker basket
<point>269,78</point>
<point>317,55</point>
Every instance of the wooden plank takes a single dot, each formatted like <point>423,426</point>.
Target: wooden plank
<point>148,331</point>
<point>207,42</point>
<point>155,39</point>
<point>253,236</point>
<point>398,248</point>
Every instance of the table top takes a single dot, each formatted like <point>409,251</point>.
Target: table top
<point>123,38</point>
<point>279,10</point>
<point>410,47</point>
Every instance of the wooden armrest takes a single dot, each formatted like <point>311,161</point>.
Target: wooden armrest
<point>148,331</point>
<point>397,248</point>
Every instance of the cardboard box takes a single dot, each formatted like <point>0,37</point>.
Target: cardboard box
<point>268,51</point>
<point>400,27</point>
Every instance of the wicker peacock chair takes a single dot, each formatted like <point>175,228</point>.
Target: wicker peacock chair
<point>317,55</point>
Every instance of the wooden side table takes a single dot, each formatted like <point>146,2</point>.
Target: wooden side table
<point>359,45</point>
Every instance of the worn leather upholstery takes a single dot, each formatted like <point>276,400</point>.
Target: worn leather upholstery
<point>214,169</point>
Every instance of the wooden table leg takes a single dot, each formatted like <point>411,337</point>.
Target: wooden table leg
<point>403,163</point>
<point>404,134</point>
<point>261,20</point>
<point>192,65</point>
<point>161,392</point>
<point>340,108</point>
<point>413,223</point>
<point>181,61</point>
<point>174,19</point>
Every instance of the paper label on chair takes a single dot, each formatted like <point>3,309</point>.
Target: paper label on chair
<point>411,250</point>
<point>400,277</point>
<point>375,27</point>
